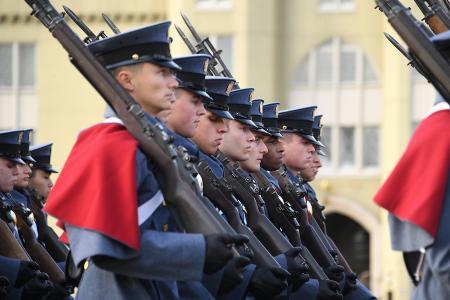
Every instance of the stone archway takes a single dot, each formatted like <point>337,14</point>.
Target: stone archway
<point>362,216</point>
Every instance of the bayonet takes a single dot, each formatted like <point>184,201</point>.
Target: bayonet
<point>110,23</point>
<point>91,36</point>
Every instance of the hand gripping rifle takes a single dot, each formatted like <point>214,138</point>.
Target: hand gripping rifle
<point>311,231</point>
<point>37,252</point>
<point>221,195</point>
<point>172,172</point>
<point>46,235</point>
<point>247,191</point>
<point>288,217</point>
<point>433,64</point>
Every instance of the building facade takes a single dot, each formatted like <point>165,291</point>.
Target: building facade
<point>330,53</point>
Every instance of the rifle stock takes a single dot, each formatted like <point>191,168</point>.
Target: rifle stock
<point>222,198</point>
<point>311,232</point>
<point>264,230</point>
<point>152,139</point>
<point>9,246</point>
<point>36,251</point>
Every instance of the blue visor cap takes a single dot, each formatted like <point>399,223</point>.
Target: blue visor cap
<point>317,127</point>
<point>10,145</point>
<point>299,120</point>
<point>270,119</point>
<point>25,146</point>
<point>146,44</point>
<point>42,154</point>
<point>219,89</point>
<point>240,106</point>
<point>256,115</point>
<point>191,77</point>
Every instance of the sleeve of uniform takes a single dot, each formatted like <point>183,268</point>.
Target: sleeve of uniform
<point>166,253</point>
<point>9,267</point>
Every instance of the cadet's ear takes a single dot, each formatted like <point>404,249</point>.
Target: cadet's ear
<point>125,79</point>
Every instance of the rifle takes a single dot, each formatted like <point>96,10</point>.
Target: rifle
<point>248,192</point>
<point>10,246</point>
<point>172,172</point>
<point>205,46</point>
<point>222,197</point>
<point>46,235</point>
<point>431,61</point>
<point>294,219</point>
<point>295,195</point>
<point>434,15</point>
<point>36,251</point>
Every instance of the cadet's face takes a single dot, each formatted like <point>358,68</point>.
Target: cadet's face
<point>237,142</point>
<point>258,150</point>
<point>8,175</point>
<point>209,133</point>
<point>311,172</point>
<point>298,152</point>
<point>24,176</point>
<point>273,159</point>
<point>153,88</point>
<point>186,113</point>
<point>41,182</point>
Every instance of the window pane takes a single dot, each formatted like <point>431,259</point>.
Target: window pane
<point>5,65</point>
<point>26,65</point>
<point>225,43</point>
<point>369,72</point>
<point>325,135</point>
<point>370,146</point>
<point>301,76</point>
<point>347,71</point>
<point>346,147</point>
<point>324,64</point>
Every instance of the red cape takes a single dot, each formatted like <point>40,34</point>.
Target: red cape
<point>415,189</point>
<point>96,189</point>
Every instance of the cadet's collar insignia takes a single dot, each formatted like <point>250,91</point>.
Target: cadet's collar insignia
<point>135,56</point>
<point>229,88</point>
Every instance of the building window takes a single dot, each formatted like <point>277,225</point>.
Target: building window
<point>18,107</point>
<point>224,43</point>
<point>336,5</point>
<point>341,80</point>
<point>346,147</point>
<point>213,4</point>
<point>370,146</point>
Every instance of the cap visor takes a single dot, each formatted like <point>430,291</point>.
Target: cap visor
<point>311,139</point>
<point>16,160</point>
<point>247,122</point>
<point>28,159</point>
<point>221,113</point>
<point>167,64</point>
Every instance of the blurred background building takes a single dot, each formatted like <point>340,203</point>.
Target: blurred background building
<point>331,53</point>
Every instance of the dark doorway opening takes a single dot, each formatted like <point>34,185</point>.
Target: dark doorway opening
<point>353,242</point>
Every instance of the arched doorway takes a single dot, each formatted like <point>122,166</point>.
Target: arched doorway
<point>354,243</point>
